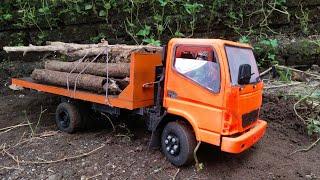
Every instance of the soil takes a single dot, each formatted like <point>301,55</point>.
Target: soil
<point>125,154</point>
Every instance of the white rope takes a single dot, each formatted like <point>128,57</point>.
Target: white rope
<point>107,88</point>
<point>77,78</point>
<point>79,62</point>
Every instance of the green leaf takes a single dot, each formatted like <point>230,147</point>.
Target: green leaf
<point>163,2</point>
<point>179,34</point>
<point>88,6</point>
<point>160,28</point>
<point>7,17</point>
<point>145,31</point>
<point>274,43</point>
<point>244,39</point>
<point>102,13</point>
<point>151,41</point>
<point>107,6</point>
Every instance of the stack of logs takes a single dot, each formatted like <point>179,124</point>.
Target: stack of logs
<point>87,74</point>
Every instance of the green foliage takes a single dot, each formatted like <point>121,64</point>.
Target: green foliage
<point>267,50</point>
<point>284,75</point>
<point>304,20</point>
<point>164,18</point>
<point>97,39</point>
<point>313,126</point>
<point>244,39</point>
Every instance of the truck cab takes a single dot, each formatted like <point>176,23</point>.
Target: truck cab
<point>212,93</point>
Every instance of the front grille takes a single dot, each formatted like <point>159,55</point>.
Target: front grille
<point>249,118</point>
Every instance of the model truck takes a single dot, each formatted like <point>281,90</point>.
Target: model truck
<point>196,90</point>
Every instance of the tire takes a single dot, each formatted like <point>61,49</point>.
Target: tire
<point>178,143</point>
<point>68,118</point>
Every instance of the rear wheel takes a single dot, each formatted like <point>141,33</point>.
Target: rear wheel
<point>178,143</point>
<point>68,118</point>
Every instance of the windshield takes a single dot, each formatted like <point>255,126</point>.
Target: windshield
<point>238,56</point>
<point>199,65</point>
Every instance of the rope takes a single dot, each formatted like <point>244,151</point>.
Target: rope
<point>107,88</point>
<point>80,60</point>
<point>77,78</point>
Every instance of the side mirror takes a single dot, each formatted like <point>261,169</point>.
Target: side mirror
<point>244,74</point>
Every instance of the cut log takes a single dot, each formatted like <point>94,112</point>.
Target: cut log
<point>116,70</point>
<point>72,49</point>
<point>85,81</point>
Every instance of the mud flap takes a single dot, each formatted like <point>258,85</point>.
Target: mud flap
<point>155,140</point>
<point>157,126</point>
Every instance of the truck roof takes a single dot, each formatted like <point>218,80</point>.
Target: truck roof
<point>220,42</point>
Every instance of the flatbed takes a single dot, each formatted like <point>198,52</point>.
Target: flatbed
<point>135,95</point>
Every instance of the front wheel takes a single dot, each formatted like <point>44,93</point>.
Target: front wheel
<point>178,143</point>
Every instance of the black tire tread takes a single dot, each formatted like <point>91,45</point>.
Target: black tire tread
<point>75,117</point>
<point>190,144</point>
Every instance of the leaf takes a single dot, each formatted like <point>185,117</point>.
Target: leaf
<point>274,43</point>
<point>163,2</point>
<point>102,13</point>
<point>7,17</point>
<point>145,31</point>
<point>151,41</point>
<point>244,39</point>
<point>160,28</point>
<point>107,6</point>
<point>88,6</point>
<point>179,34</point>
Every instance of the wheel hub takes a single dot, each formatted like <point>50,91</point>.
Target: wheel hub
<point>172,144</point>
<point>64,119</point>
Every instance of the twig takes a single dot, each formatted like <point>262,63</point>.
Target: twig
<point>32,132</point>
<point>39,119</point>
<point>48,133</point>
<point>302,99</point>
<point>12,157</point>
<point>97,175</point>
<point>24,141</point>
<point>283,85</point>
<point>113,127</point>
<point>176,174</point>
<point>296,70</point>
<point>306,149</point>
<point>266,71</point>
<point>198,166</point>
<point>13,127</point>
<point>9,168</point>
<point>63,159</point>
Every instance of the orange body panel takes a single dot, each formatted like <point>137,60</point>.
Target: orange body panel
<point>244,141</point>
<point>213,115</point>
<point>142,70</point>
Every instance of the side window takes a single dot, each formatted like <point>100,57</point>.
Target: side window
<point>200,65</point>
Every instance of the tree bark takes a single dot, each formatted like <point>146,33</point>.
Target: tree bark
<point>85,81</point>
<point>72,49</point>
<point>116,70</point>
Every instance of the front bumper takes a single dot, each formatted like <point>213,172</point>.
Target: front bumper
<point>244,141</point>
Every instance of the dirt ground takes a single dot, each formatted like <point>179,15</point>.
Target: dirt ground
<point>126,156</point>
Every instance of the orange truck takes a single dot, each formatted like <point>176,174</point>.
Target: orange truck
<point>196,90</point>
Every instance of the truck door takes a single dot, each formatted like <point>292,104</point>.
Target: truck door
<point>194,85</point>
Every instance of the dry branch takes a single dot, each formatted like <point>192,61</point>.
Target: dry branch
<point>13,127</point>
<point>63,159</point>
<point>266,71</point>
<point>306,149</point>
<point>298,71</point>
<point>283,85</point>
<point>72,49</point>
<point>118,70</point>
